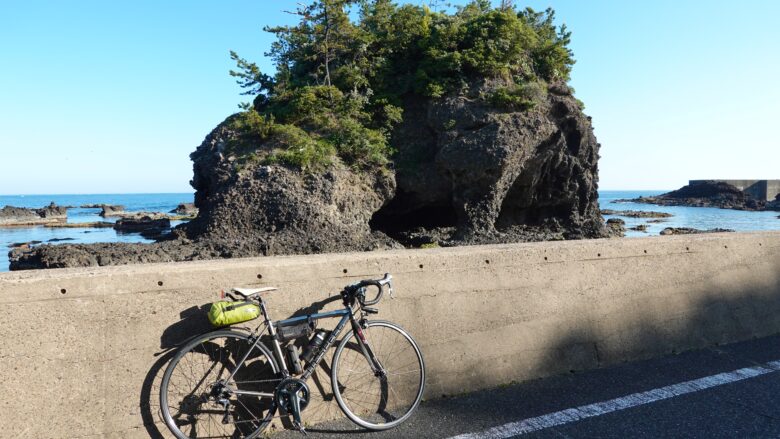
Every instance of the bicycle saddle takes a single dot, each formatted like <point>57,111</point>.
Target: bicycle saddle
<point>246,292</point>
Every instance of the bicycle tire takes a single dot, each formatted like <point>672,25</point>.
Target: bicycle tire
<point>378,412</point>
<point>189,401</point>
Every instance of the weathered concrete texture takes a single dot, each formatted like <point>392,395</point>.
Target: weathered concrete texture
<point>83,349</point>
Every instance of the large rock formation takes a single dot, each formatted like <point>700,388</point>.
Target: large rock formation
<point>466,172</point>
<point>496,175</point>
<point>259,209</point>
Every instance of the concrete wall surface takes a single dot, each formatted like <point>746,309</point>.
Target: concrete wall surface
<point>83,349</point>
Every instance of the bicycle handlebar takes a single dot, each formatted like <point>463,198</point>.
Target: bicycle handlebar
<point>378,283</point>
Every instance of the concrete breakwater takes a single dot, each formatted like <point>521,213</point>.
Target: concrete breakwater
<point>83,349</point>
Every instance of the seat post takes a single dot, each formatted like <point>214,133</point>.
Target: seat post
<point>265,312</point>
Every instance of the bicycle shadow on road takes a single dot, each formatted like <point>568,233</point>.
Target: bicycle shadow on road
<point>193,322</point>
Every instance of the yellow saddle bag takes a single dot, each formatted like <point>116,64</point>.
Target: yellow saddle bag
<point>227,312</point>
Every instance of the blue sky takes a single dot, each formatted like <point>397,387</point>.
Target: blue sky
<point>104,97</point>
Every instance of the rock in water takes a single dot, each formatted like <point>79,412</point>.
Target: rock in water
<point>690,231</point>
<point>709,193</point>
<point>278,210</point>
<point>187,209</point>
<point>142,224</point>
<point>636,213</point>
<point>111,210</point>
<point>616,228</point>
<point>774,205</point>
<point>466,172</point>
<point>22,216</point>
<point>489,148</point>
<point>465,162</point>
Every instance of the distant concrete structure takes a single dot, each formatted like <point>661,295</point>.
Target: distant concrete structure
<point>764,190</point>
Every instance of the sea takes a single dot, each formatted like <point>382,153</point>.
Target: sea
<point>132,202</point>
<point>695,217</point>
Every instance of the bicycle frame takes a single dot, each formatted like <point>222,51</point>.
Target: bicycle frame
<point>347,314</point>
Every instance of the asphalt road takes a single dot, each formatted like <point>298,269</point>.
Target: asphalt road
<point>730,391</point>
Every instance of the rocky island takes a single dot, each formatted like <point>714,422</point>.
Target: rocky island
<point>407,127</point>
<point>11,216</point>
<point>724,194</point>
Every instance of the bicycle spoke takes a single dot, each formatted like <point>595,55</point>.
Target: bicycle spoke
<point>196,385</point>
<point>379,401</point>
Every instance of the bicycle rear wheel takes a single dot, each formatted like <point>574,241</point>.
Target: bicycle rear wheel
<point>195,395</point>
<point>378,401</point>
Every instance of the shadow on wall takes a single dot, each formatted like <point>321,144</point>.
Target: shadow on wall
<point>193,322</point>
<point>724,315</point>
<point>725,312</point>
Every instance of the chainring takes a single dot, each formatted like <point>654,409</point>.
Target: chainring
<point>287,389</point>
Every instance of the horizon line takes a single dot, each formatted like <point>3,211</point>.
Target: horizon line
<point>193,193</point>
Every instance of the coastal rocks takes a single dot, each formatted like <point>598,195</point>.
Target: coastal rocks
<point>24,244</point>
<point>466,172</point>
<point>85,255</point>
<point>616,228</point>
<point>185,209</point>
<point>492,174</point>
<point>84,225</point>
<point>276,210</point>
<point>774,205</point>
<point>706,194</point>
<point>149,227</point>
<point>111,210</point>
<point>22,216</point>
<point>690,231</point>
<point>636,213</point>
<point>639,228</point>
<point>140,224</point>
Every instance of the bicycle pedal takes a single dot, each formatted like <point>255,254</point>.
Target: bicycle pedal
<point>298,426</point>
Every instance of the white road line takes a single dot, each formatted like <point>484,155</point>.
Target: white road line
<point>625,402</point>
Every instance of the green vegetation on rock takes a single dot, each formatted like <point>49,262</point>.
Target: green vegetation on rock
<point>341,84</point>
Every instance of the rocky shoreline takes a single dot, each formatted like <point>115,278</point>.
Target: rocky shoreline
<point>691,231</point>
<point>636,213</point>
<point>466,173</point>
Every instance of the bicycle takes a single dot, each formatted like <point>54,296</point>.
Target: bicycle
<point>228,383</point>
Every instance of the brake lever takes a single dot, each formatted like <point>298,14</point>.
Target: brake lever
<point>390,290</point>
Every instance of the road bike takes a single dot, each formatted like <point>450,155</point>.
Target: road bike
<point>229,383</point>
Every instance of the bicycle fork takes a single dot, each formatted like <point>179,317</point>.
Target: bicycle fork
<point>365,348</point>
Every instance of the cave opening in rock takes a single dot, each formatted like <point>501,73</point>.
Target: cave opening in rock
<point>402,214</point>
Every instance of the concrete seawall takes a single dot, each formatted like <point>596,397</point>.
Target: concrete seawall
<point>82,349</point>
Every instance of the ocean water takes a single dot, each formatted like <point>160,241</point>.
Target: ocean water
<point>132,203</point>
<point>697,217</point>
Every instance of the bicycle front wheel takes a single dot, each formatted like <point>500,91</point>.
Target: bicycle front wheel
<point>199,400</point>
<point>378,401</point>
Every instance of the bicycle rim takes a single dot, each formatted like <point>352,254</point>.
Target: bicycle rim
<point>189,391</point>
<point>378,402</point>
